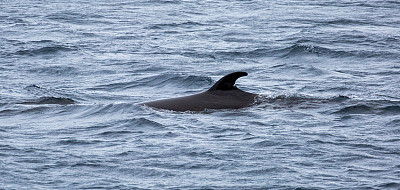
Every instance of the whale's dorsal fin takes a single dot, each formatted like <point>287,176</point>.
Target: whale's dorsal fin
<point>227,82</point>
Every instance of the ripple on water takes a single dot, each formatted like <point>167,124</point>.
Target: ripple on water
<point>267,143</point>
<point>177,80</point>
<point>114,134</point>
<point>66,71</point>
<point>77,142</point>
<point>356,109</point>
<point>47,50</point>
<point>390,110</point>
<point>390,185</point>
<point>72,72</point>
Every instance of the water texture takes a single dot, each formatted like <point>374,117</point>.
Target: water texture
<point>73,72</point>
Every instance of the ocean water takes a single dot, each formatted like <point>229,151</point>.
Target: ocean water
<point>72,73</point>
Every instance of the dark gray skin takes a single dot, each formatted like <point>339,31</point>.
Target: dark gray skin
<point>222,95</point>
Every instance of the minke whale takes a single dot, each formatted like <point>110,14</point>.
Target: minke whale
<point>222,95</point>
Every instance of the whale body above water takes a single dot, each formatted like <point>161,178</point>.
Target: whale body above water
<point>222,95</point>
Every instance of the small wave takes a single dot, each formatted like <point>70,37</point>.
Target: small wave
<point>98,110</point>
<point>390,185</point>
<point>394,123</point>
<point>77,18</point>
<point>247,53</point>
<point>162,2</point>
<point>41,41</point>
<point>88,164</point>
<point>56,70</point>
<point>34,110</point>
<point>77,142</point>
<point>266,143</point>
<point>343,21</point>
<point>301,49</point>
<point>348,106</point>
<point>300,101</point>
<point>365,146</point>
<point>196,81</point>
<point>356,109</point>
<point>5,148</point>
<point>259,52</point>
<point>198,54</point>
<point>142,122</point>
<point>304,69</point>
<point>7,110</point>
<point>390,110</point>
<point>380,107</point>
<point>145,172</point>
<point>190,81</point>
<point>114,133</point>
<point>264,171</point>
<point>44,50</point>
<point>188,24</point>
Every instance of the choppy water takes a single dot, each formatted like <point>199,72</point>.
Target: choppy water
<point>72,73</point>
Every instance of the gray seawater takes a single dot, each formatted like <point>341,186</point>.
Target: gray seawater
<point>72,73</point>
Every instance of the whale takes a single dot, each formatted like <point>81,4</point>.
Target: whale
<point>222,95</point>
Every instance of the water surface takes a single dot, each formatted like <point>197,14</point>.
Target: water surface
<point>72,73</point>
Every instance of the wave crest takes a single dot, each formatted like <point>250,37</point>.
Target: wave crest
<point>51,100</point>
